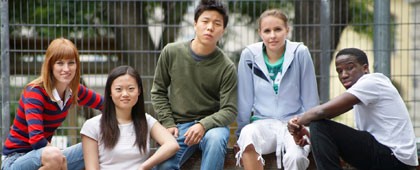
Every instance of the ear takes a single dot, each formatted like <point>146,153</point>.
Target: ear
<point>366,68</point>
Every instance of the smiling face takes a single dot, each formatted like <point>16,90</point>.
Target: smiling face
<point>64,71</point>
<point>349,69</point>
<point>209,28</point>
<point>273,31</point>
<point>125,92</point>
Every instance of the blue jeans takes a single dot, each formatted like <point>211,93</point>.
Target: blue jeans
<point>32,159</point>
<point>213,145</point>
<point>331,140</point>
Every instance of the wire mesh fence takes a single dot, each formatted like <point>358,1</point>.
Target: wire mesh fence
<point>109,33</point>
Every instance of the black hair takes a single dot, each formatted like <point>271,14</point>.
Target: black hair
<point>360,56</point>
<point>213,5</point>
<point>109,123</point>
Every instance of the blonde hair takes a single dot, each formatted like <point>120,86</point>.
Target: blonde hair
<point>275,13</point>
<point>59,49</point>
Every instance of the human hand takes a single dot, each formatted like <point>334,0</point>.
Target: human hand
<point>298,132</point>
<point>302,137</point>
<point>236,148</point>
<point>293,127</point>
<point>173,131</point>
<point>194,134</point>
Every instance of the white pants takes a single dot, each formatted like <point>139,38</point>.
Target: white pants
<point>271,135</point>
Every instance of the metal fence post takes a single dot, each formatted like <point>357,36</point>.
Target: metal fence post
<point>381,37</point>
<point>325,46</point>
<point>5,71</point>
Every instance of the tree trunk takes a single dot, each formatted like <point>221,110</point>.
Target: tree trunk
<point>132,35</point>
<point>134,43</point>
<point>174,13</point>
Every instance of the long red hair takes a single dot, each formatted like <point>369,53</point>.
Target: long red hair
<point>59,49</point>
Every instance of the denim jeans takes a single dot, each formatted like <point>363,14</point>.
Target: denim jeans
<point>32,159</point>
<point>331,140</point>
<point>213,146</point>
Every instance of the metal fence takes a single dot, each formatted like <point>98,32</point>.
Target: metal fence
<point>109,33</point>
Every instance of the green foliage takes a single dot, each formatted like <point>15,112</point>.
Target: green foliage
<point>362,19</point>
<point>362,16</point>
<point>51,18</point>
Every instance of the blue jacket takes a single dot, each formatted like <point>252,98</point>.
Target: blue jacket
<point>297,89</point>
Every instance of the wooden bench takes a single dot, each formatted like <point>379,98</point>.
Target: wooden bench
<point>230,162</point>
<point>194,162</point>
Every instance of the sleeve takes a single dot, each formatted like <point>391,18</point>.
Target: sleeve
<point>34,103</point>
<point>91,128</point>
<point>150,121</point>
<point>245,90</point>
<point>228,101</point>
<point>366,90</point>
<point>88,97</point>
<point>159,92</point>
<point>309,88</point>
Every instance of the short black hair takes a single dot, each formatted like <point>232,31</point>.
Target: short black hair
<point>361,56</point>
<point>214,5</point>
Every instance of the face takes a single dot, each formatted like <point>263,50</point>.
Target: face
<point>64,71</point>
<point>124,92</point>
<point>209,27</point>
<point>273,31</point>
<point>349,70</point>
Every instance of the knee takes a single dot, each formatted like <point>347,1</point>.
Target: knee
<point>319,126</point>
<point>295,159</point>
<point>216,139</point>
<point>249,149</point>
<point>52,157</point>
<point>215,143</point>
<point>167,165</point>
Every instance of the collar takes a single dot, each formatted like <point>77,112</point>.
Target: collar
<point>280,60</point>
<point>57,98</point>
